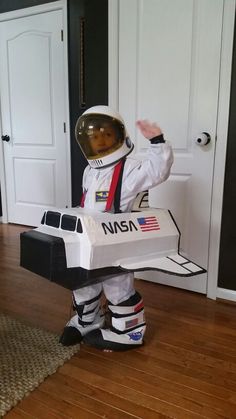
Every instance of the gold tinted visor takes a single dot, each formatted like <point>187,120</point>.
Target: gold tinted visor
<point>99,135</point>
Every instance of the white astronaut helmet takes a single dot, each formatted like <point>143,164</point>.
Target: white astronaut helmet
<point>101,134</point>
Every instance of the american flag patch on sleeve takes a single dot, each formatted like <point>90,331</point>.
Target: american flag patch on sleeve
<point>148,223</point>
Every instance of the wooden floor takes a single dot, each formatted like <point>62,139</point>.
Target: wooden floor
<point>186,369</point>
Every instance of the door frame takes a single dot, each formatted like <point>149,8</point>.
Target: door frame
<point>222,127</point>
<point>30,11</point>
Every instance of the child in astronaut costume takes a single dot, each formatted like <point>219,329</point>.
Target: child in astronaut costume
<point>102,136</point>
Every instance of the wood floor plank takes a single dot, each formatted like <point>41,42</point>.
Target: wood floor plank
<point>225,362</point>
<point>147,401</point>
<point>164,389</point>
<point>141,363</point>
<point>37,410</point>
<point>189,334</point>
<point>193,364</point>
<point>63,408</point>
<point>17,413</point>
<point>79,393</point>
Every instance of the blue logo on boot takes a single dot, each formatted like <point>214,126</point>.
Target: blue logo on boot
<point>135,335</point>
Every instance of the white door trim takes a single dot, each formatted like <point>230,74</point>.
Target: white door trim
<point>222,124</point>
<point>16,14</point>
<point>221,146</point>
<point>113,48</point>
<point>225,294</point>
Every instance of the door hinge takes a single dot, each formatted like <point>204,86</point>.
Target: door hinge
<point>62,35</point>
<point>64,124</point>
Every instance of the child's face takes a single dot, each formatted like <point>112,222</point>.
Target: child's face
<point>102,140</point>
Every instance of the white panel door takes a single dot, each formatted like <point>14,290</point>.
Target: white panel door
<point>169,64</point>
<point>32,80</point>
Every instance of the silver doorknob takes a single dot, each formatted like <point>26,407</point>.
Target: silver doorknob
<point>203,139</point>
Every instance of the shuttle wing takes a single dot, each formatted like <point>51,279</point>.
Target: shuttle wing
<point>174,264</point>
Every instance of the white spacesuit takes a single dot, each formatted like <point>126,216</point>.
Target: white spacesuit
<point>102,136</point>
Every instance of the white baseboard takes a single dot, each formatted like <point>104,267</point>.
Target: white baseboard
<point>226,294</point>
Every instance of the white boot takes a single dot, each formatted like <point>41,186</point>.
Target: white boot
<point>127,327</point>
<point>89,317</point>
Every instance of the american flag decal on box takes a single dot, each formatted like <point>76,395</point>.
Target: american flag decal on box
<point>148,223</point>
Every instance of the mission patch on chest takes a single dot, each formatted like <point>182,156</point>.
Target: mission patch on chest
<point>101,196</point>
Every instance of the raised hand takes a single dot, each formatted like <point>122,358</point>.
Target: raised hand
<point>148,129</point>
